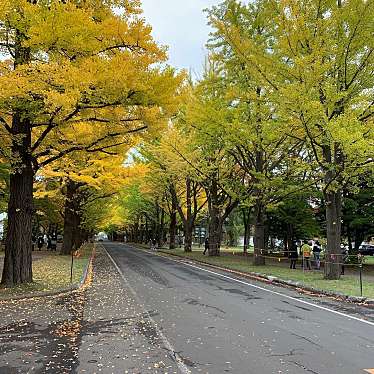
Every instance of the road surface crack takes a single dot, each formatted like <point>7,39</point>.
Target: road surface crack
<point>292,352</point>
<point>307,339</point>
<point>303,367</point>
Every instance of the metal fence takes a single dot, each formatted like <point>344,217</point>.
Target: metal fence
<point>342,260</point>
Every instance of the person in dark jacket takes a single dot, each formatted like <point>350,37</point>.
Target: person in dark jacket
<point>292,255</point>
<point>54,242</point>
<point>317,254</point>
<point>49,242</point>
<point>40,242</point>
<point>33,241</point>
<point>344,256</point>
<point>206,245</point>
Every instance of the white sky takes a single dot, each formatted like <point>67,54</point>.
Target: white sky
<point>182,25</point>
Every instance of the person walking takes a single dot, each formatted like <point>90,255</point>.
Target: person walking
<point>33,241</point>
<point>344,258</point>
<point>292,255</point>
<point>317,254</point>
<point>306,251</point>
<point>54,242</point>
<point>40,242</point>
<point>154,245</point>
<point>206,245</point>
<point>49,242</point>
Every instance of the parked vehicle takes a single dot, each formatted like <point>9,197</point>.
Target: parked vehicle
<point>366,249</point>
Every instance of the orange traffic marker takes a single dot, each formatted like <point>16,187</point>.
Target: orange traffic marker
<point>370,371</point>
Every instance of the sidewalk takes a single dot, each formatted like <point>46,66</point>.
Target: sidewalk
<point>100,328</point>
<point>117,335</point>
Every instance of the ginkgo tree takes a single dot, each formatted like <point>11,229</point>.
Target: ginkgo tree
<point>317,61</point>
<point>205,119</point>
<point>78,77</point>
<point>79,180</point>
<point>266,149</point>
<point>173,165</point>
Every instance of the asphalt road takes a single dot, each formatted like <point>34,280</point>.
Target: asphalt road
<point>216,323</point>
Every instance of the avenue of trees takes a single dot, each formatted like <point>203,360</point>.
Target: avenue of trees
<point>78,77</point>
<point>277,134</point>
<point>280,127</point>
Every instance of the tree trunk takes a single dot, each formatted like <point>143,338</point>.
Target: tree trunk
<point>67,243</point>
<point>78,232</point>
<point>173,224</point>
<point>333,201</point>
<point>359,237</point>
<point>215,224</point>
<point>71,224</point>
<point>188,231</point>
<point>260,232</point>
<point>147,234</point>
<point>333,258</point>
<point>289,239</point>
<point>18,248</point>
<point>188,224</point>
<point>349,236</point>
<point>136,231</point>
<point>259,235</point>
<point>215,236</point>
<point>246,241</point>
<point>247,228</point>
<point>162,229</point>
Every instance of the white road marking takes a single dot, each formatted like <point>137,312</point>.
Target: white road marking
<point>261,288</point>
<point>181,365</point>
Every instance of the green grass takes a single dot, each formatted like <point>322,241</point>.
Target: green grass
<point>369,260</point>
<point>52,272</point>
<point>348,284</point>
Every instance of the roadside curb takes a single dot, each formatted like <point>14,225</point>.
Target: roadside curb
<point>298,286</point>
<point>60,291</point>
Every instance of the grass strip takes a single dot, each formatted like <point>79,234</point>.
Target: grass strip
<point>52,273</point>
<point>347,285</point>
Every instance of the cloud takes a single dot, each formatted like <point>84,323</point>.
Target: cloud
<point>182,25</point>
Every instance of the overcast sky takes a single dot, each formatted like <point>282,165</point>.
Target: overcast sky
<point>182,25</point>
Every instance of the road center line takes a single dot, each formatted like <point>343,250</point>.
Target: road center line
<point>178,360</point>
<point>260,288</point>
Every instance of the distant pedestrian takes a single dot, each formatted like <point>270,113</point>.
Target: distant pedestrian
<point>49,242</point>
<point>317,254</point>
<point>344,256</point>
<point>40,242</point>
<point>292,255</point>
<point>306,251</point>
<point>206,245</point>
<point>33,241</point>
<point>153,244</point>
<point>54,242</point>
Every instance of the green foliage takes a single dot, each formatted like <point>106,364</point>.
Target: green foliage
<point>294,214</point>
